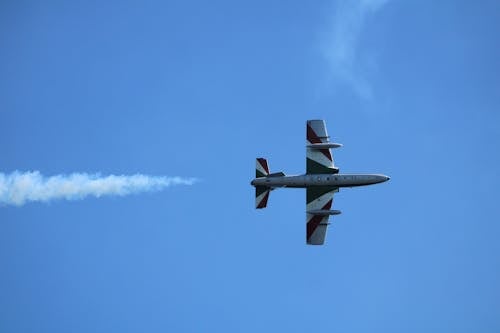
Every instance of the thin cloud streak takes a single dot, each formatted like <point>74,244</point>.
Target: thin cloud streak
<point>18,187</point>
<point>340,47</point>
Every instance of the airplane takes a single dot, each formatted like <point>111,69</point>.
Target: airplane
<point>321,180</point>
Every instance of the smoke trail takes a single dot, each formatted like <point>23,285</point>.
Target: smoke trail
<point>18,188</point>
<point>341,48</point>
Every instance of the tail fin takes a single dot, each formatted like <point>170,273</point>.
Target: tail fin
<point>261,192</point>
<point>261,196</point>
<point>261,168</point>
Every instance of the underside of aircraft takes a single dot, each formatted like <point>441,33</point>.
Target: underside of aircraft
<point>321,181</point>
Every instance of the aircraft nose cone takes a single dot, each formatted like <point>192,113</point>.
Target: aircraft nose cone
<point>387,178</point>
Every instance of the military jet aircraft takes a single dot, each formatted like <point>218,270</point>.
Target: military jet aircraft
<point>321,180</point>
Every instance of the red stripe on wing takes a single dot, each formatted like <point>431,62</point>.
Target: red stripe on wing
<point>312,137</point>
<point>314,222</point>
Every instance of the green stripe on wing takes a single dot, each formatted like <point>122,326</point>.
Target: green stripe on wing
<point>314,192</point>
<point>313,168</point>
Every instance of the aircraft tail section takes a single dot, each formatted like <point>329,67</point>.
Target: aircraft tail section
<point>261,196</point>
<point>261,192</point>
<point>261,168</point>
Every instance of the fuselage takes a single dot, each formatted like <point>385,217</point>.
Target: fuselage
<point>334,180</point>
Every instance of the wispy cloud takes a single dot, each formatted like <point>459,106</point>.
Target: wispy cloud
<point>18,188</point>
<point>340,45</point>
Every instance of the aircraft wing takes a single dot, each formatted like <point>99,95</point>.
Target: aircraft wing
<point>319,159</point>
<point>319,201</point>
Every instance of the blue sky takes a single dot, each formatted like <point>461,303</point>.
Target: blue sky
<point>199,89</point>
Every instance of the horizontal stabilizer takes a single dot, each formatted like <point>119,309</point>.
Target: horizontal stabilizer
<point>261,168</point>
<point>261,196</point>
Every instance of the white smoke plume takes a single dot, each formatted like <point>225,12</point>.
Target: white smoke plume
<point>341,48</point>
<point>18,188</point>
